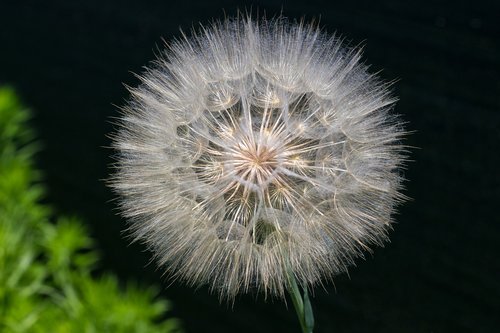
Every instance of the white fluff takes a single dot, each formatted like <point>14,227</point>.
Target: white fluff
<point>256,146</point>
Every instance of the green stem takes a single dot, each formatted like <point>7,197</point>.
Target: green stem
<point>302,305</point>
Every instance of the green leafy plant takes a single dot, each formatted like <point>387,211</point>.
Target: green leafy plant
<point>46,265</point>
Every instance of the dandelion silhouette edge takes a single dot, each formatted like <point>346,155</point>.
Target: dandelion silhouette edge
<point>256,148</point>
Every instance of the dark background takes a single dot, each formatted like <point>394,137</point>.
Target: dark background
<point>440,273</point>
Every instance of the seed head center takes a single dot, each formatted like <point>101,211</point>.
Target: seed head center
<point>253,164</point>
<point>261,158</point>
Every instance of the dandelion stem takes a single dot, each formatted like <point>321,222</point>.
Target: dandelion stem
<point>302,304</point>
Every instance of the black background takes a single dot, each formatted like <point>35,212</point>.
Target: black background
<point>440,273</point>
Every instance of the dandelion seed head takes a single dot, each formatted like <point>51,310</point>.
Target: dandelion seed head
<point>254,148</point>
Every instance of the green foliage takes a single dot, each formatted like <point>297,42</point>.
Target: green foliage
<point>46,281</point>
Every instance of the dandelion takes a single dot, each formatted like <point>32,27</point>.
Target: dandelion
<point>258,151</point>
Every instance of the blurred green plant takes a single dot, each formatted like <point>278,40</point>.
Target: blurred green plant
<point>46,281</point>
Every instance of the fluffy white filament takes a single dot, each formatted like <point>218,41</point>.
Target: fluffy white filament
<point>255,148</point>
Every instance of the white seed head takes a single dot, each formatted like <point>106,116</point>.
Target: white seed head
<point>253,149</point>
